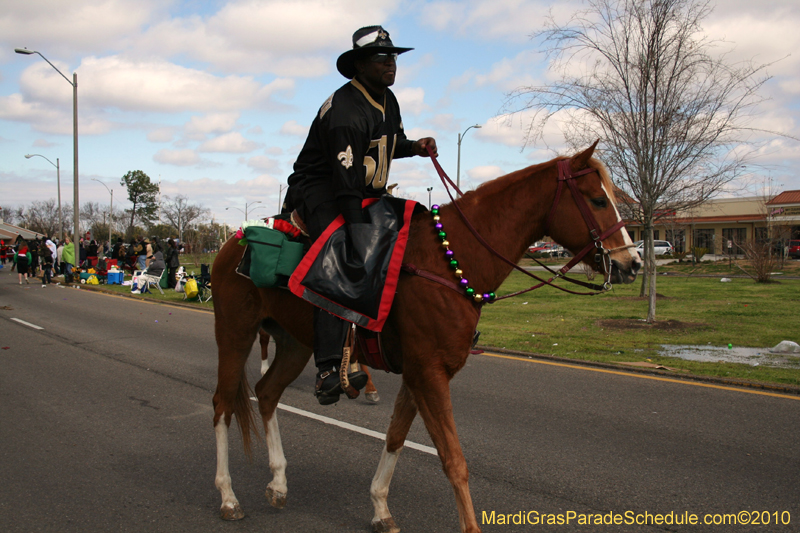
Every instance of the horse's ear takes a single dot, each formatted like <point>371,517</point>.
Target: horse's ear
<point>582,159</point>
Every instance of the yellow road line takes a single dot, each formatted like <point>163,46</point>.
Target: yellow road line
<point>635,375</point>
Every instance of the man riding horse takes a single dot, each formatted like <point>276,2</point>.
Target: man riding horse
<point>346,159</point>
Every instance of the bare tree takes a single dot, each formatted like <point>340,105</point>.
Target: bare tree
<point>671,115</point>
<point>41,216</point>
<point>178,212</point>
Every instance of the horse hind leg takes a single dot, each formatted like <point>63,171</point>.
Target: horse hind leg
<point>290,359</point>
<point>404,412</point>
<point>263,339</point>
<point>232,397</point>
<point>370,391</point>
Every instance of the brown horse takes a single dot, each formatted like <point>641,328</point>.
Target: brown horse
<point>430,325</point>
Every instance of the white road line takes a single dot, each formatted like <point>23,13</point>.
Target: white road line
<point>34,326</point>
<point>351,427</point>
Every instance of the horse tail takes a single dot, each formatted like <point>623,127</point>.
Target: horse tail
<point>245,417</point>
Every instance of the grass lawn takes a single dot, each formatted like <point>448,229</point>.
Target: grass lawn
<point>691,310</point>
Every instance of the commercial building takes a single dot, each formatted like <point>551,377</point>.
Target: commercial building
<point>720,225</point>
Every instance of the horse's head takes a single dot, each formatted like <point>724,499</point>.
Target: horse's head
<point>584,218</point>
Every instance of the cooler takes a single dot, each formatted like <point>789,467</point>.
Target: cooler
<point>115,278</point>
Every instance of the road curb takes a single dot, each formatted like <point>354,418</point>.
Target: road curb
<point>743,383</point>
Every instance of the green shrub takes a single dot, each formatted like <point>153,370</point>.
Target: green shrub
<point>698,253</point>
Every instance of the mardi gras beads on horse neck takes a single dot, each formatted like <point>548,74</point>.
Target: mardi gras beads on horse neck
<point>486,297</point>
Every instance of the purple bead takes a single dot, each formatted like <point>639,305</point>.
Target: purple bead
<point>486,296</point>
<point>463,282</point>
<point>439,225</point>
<point>449,253</point>
<point>434,206</point>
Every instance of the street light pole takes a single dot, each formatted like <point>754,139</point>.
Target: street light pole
<point>74,83</point>
<point>58,184</point>
<point>429,196</point>
<point>110,209</point>
<point>246,206</point>
<point>281,187</point>
<point>458,167</point>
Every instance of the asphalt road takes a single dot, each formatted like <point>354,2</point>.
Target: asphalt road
<point>106,426</point>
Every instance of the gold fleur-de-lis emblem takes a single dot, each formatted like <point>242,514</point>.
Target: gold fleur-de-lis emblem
<point>382,35</point>
<point>346,157</point>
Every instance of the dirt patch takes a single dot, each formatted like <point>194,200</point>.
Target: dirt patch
<point>662,325</point>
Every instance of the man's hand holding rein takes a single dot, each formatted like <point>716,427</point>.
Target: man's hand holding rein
<point>420,147</point>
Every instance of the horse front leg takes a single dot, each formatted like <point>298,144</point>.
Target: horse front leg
<point>431,390</point>
<point>404,412</point>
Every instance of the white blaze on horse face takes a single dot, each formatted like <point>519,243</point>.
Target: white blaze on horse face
<point>379,490</point>
<point>626,238</point>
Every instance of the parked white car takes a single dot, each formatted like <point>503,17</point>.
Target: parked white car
<point>661,247</point>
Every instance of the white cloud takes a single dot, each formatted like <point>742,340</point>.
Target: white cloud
<point>233,142</point>
<point>295,129</point>
<point>262,163</point>
<point>412,100</point>
<point>484,173</point>
<point>77,26</point>
<point>283,37</point>
<point>162,135</point>
<point>43,143</point>
<point>155,85</point>
<point>215,123</point>
<point>181,158</point>
<point>47,119</point>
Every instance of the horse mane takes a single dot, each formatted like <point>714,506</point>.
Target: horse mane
<point>605,178</point>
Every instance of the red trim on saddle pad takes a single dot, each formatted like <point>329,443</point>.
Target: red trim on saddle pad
<point>299,280</point>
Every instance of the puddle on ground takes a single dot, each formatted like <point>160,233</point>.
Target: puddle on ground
<point>747,356</point>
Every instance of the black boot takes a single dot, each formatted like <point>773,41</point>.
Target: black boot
<point>330,334</point>
<point>328,387</point>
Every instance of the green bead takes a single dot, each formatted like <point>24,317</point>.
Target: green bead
<point>454,263</point>
<point>434,211</point>
<point>470,291</point>
<point>492,296</point>
<point>442,235</point>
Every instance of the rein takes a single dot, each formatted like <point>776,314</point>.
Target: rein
<point>565,175</point>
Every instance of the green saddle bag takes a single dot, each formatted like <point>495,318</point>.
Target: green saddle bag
<point>270,257</point>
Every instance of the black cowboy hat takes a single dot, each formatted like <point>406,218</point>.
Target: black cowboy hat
<point>366,41</point>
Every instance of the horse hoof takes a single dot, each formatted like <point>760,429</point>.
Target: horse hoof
<point>231,513</point>
<point>385,525</point>
<point>372,396</point>
<point>276,499</point>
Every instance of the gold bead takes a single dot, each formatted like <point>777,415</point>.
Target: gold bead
<point>436,218</point>
<point>459,273</point>
<point>478,297</point>
<point>445,244</point>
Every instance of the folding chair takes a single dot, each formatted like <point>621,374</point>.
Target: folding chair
<point>204,283</point>
<point>151,280</point>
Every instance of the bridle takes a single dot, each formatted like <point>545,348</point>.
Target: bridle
<point>602,254</point>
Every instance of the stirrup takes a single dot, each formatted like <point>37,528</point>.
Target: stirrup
<point>330,394</point>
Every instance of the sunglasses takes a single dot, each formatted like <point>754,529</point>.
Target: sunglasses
<point>382,58</point>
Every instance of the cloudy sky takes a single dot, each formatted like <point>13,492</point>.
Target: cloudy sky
<point>214,98</point>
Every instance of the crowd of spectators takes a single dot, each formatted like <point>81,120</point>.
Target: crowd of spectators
<point>45,257</point>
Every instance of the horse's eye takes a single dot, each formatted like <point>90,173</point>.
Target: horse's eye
<point>601,202</point>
